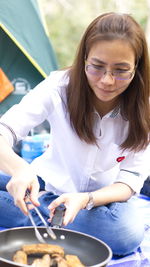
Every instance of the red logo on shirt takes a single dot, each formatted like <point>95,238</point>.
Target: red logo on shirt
<point>119,159</point>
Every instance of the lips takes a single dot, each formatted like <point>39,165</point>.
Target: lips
<point>106,92</point>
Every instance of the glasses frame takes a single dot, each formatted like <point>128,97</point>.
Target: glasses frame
<point>109,71</point>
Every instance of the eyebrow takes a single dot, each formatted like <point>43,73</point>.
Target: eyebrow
<point>124,64</point>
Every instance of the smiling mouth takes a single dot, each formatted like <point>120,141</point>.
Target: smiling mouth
<point>106,91</point>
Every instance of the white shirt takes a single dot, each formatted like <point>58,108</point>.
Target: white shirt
<point>70,164</point>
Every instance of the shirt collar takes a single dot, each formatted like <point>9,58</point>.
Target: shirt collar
<point>112,114</point>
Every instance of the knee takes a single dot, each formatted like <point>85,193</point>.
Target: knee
<point>124,245</point>
<point>126,238</point>
<point>128,228</point>
<point>126,231</point>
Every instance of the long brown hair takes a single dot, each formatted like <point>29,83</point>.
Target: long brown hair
<point>134,101</point>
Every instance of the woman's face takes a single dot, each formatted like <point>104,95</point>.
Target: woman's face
<point>110,69</point>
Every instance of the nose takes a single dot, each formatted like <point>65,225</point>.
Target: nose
<point>107,78</point>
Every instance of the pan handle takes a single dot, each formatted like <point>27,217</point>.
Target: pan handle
<point>57,219</point>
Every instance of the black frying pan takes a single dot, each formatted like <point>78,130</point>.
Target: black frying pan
<point>91,251</point>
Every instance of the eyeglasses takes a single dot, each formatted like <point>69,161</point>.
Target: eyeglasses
<point>99,71</point>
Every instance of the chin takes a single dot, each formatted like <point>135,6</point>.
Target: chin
<point>104,98</point>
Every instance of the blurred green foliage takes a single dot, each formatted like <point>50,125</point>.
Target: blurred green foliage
<point>67,19</point>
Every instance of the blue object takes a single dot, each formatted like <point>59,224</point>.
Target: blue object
<point>34,146</point>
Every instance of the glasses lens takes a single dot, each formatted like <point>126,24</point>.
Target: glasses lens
<point>95,71</point>
<point>98,71</point>
<point>123,75</point>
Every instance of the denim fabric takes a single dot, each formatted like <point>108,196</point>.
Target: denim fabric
<point>146,187</point>
<point>118,224</point>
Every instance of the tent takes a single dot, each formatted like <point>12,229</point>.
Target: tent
<point>26,54</point>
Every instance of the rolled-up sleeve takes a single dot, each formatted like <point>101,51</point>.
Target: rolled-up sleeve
<point>134,169</point>
<point>8,133</point>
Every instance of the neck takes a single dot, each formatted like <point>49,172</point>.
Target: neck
<point>104,107</point>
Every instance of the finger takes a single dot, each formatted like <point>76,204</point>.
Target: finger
<point>69,216</point>
<point>30,207</point>
<point>55,203</point>
<point>20,199</point>
<point>52,212</point>
<point>20,203</point>
<point>34,190</point>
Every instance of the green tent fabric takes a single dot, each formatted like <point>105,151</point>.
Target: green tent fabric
<point>26,54</point>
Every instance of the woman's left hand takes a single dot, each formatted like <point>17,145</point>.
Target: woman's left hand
<point>73,202</point>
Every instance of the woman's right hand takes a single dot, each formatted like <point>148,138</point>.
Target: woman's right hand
<point>22,180</point>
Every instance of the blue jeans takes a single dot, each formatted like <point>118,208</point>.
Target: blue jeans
<point>118,224</point>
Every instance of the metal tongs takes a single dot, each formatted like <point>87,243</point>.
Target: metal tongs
<point>49,230</point>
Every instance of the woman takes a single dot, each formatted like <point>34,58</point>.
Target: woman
<point>97,160</point>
